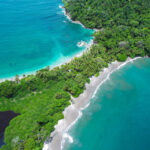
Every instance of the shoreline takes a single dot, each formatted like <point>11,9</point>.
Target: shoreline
<point>74,111</point>
<point>59,62</point>
<point>76,22</point>
<point>52,66</point>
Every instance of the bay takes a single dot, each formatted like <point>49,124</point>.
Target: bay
<point>35,34</point>
<point>118,115</point>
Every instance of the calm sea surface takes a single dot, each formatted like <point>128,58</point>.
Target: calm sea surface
<point>34,34</point>
<point>118,117</point>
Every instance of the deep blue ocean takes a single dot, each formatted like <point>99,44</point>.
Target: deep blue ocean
<point>118,117</point>
<point>34,34</point>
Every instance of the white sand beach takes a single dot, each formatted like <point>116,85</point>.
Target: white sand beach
<point>74,111</point>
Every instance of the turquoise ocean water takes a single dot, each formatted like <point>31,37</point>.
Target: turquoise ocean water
<point>34,34</point>
<point>118,117</point>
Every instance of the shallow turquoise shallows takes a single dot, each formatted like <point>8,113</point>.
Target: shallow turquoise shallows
<point>118,117</point>
<point>34,34</point>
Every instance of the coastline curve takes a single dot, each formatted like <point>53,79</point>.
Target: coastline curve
<point>74,112</point>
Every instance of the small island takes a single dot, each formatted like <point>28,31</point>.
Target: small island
<point>123,32</point>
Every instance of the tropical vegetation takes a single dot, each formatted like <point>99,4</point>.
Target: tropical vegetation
<point>124,31</point>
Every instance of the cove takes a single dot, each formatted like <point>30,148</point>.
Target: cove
<point>5,118</point>
<point>35,34</point>
<point>118,116</point>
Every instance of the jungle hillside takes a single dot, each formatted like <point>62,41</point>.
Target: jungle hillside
<point>124,31</point>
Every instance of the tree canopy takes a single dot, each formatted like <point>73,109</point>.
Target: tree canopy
<point>40,99</point>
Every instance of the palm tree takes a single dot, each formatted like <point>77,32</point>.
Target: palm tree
<point>17,79</point>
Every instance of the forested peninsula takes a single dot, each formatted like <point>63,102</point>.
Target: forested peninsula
<point>40,99</point>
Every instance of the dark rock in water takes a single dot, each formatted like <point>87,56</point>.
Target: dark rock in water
<point>5,118</point>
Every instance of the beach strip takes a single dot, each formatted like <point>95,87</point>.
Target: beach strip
<point>73,112</point>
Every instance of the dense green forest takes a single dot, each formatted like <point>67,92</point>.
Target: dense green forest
<point>40,99</point>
